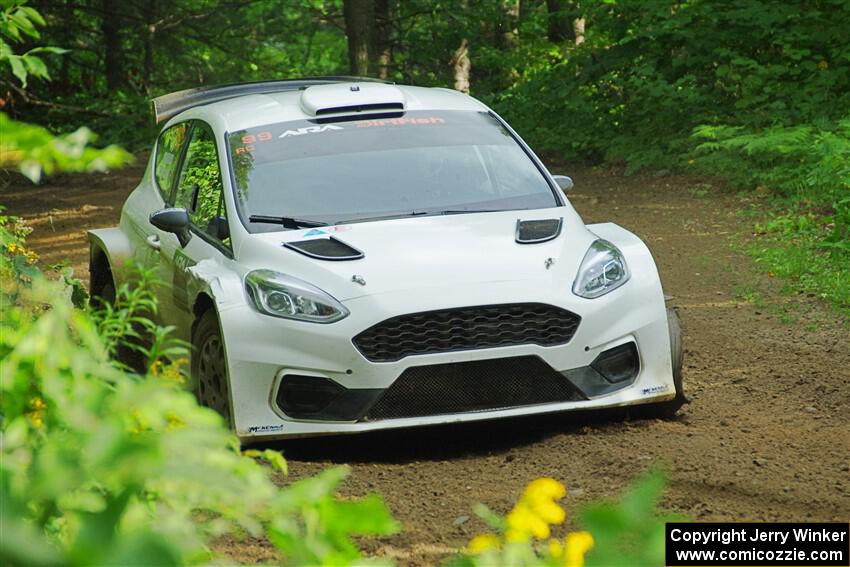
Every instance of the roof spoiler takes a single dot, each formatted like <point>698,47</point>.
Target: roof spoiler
<point>167,106</point>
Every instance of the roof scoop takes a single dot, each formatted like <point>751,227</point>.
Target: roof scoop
<point>537,231</point>
<point>350,98</point>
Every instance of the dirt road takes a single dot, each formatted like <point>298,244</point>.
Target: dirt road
<point>765,437</point>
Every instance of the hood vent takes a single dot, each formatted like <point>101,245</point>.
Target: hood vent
<point>325,249</point>
<point>341,98</point>
<point>537,231</point>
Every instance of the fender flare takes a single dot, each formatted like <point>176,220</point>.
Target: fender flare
<point>112,246</point>
<point>209,285</point>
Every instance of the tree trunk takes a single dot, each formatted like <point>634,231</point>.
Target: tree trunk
<point>63,82</point>
<point>383,44</point>
<point>559,28</point>
<point>511,23</point>
<point>114,61</point>
<point>462,66</point>
<point>578,28</point>
<point>150,33</point>
<point>359,23</point>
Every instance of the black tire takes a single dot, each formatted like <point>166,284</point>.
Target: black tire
<point>209,367</point>
<point>102,294</point>
<point>102,291</point>
<point>668,409</point>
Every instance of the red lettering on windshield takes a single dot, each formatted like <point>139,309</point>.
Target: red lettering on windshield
<point>400,122</point>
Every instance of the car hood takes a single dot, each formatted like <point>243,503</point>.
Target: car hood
<point>427,252</point>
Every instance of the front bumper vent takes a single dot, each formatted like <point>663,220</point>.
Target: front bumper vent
<point>467,328</point>
<point>479,385</point>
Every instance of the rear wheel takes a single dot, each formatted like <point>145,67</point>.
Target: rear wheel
<point>669,408</point>
<point>209,365</point>
<point>102,291</point>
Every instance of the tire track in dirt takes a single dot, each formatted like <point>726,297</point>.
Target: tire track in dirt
<point>765,437</point>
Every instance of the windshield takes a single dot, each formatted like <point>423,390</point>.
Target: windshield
<point>424,162</point>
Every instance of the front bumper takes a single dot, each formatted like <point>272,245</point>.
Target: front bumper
<point>264,353</point>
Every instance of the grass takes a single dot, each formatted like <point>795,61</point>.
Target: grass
<point>700,190</point>
<point>791,245</point>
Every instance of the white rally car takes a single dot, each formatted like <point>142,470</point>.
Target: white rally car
<point>348,255</point>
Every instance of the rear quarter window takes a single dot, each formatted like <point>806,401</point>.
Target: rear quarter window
<point>168,149</point>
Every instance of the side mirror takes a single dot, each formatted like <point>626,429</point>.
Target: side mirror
<point>564,182</point>
<point>174,220</point>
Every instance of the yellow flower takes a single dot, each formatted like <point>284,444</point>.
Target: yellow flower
<point>174,421</point>
<point>32,257</point>
<point>482,543</point>
<point>171,371</point>
<point>823,65</point>
<point>545,488</point>
<point>36,414</point>
<point>536,510</point>
<point>524,523</point>
<point>556,548</point>
<point>577,545</point>
<point>550,512</point>
<point>12,247</point>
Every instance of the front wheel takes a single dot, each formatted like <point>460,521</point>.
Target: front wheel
<point>669,408</point>
<point>209,366</point>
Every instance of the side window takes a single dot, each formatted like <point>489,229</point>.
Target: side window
<point>199,188</point>
<point>167,155</point>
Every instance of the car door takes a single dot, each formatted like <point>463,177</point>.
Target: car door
<point>154,193</point>
<point>200,191</point>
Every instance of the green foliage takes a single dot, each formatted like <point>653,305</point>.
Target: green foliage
<point>631,531</point>
<point>627,532</point>
<point>125,325</point>
<point>806,233</point>
<point>102,467</point>
<point>30,149</point>
<point>87,450</point>
<point>17,24</point>
<point>805,161</point>
<point>524,536</point>
<point>314,528</point>
<point>202,171</point>
<point>809,248</point>
<point>17,261</point>
<point>650,72</point>
<point>34,151</point>
<point>19,264</point>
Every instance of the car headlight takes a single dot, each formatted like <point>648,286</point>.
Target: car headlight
<point>603,269</point>
<point>280,295</point>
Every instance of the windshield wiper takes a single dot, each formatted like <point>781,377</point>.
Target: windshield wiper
<point>463,211</point>
<point>287,222</point>
<point>385,217</point>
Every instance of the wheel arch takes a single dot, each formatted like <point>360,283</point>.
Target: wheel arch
<point>109,249</point>
<point>203,303</point>
<point>210,285</point>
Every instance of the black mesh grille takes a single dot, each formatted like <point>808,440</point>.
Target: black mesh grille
<point>467,328</point>
<point>478,385</point>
